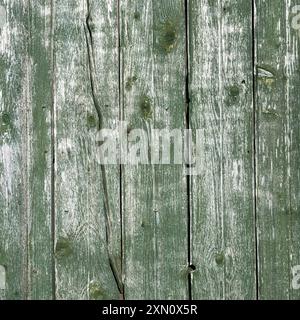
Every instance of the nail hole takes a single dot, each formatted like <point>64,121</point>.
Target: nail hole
<point>189,165</point>
<point>137,16</point>
<point>192,268</point>
<point>129,129</point>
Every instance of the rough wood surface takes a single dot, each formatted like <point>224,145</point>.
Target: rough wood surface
<point>39,156</point>
<point>14,101</point>
<point>86,84</point>
<point>222,235</point>
<point>73,228</point>
<point>154,196</point>
<point>277,96</point>
<point>25,246</point>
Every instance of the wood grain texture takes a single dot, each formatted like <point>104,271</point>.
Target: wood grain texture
<point>14,101</point>
<point>25,251</point>
<point>86,83</point>
<point>154,196</point>
<point>39,151</point>
<point>277,95</point>
<point>73,228</point>
<point>222,235</point>
<point>293,98</point>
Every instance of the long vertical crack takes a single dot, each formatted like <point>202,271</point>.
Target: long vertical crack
<point>255,148</point>
<point>26,285</point>
<point>53,151</point>
<point>188,178</point>
<point>121,115</point>
<point>91,59</point>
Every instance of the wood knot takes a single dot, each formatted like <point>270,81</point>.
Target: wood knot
<point>145,107</point>
<point>63,248</point>
<point>91,121</point>
<point>137,16</point>
<point>130,82</point>
<point>168,36</point>
<point>95,291</point>
<point>220,258</point>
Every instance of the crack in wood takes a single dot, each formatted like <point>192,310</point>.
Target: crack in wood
<point>91,58</point>
<point>92,73</point>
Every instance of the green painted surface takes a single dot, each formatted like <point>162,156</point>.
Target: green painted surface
<point>39,152</point>
<point>14,66</point>
<point>278,148</point>
<point>223,234</point>
<point>86,213</point>
<point>72,228</point>
<point>154,196</point>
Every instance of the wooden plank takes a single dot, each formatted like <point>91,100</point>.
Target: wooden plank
<point>293,98</point>
<point>14,101</point>
<point>277,96</point>
<point>25,141</point>
<point>220,84</point>
<point>87,222</point>
<point>39,151</point>
<point>89,85</point>
<point>25,249</point>
<point>154,196</point>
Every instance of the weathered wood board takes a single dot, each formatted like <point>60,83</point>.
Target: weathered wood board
<point>86,201</point>
<point>225,227</point>
<point>25,245</point>
<point>278,146</point>
<point>154,196</point>
<point>220,67</point>
<point>14,141</point>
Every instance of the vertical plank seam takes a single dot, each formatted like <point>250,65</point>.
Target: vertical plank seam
<point>288,148</point>
<point>25,173</point>
<point>122,294</point>
<point>53,136</point>
<point>187,120</point>
<point>255,143</point>
<point>220,83</point>
<point>149,127</point>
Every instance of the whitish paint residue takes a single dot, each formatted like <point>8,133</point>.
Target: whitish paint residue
<point>6,153</point>
<point>2,17</point>
<point>2,278</point>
